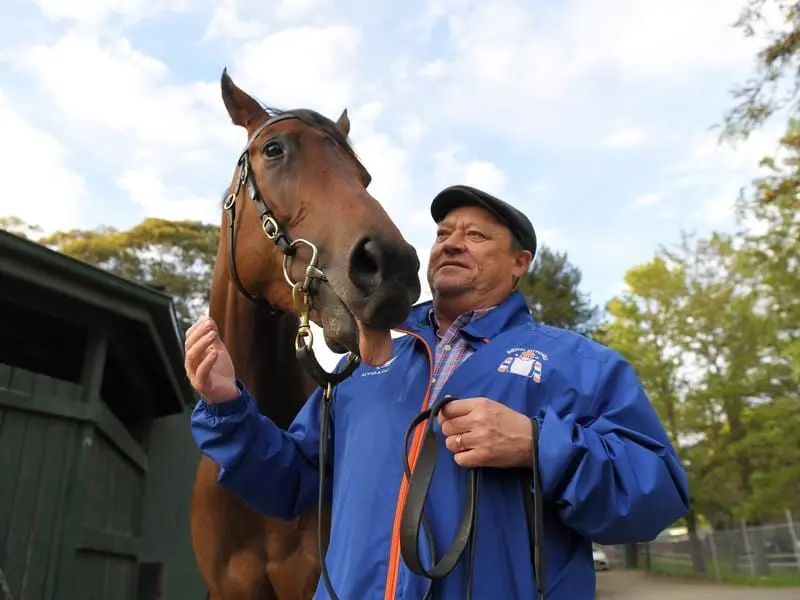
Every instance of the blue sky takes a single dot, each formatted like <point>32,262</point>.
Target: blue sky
<point>591,116</point>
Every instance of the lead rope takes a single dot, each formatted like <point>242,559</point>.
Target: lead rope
<point>304,341</point>
<point>534,506</point>
<point>413,518</point>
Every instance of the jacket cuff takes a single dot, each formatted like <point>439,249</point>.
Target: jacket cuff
<point>228,407</point>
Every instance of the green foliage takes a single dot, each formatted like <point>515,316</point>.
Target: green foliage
<point>712,327</point>
<point>775,82</point>
<point>19,227</point>
<point>772,244</point>
<point>552,290</point>
<point>176,255</point>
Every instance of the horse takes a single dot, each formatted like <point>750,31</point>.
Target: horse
<point>302,240</point>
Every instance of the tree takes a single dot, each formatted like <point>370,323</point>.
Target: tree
<point>645,329</point>
<point>770,217</point>
<point>777,67</point>
<point>20,228</point>
<point>176,255</point>
<point>694,325</point>
<point>551,289</point>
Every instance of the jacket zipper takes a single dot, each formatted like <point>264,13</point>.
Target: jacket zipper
<point>394,550</point>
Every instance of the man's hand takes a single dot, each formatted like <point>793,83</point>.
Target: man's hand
<point>208,364</point>
<point>484,433</point>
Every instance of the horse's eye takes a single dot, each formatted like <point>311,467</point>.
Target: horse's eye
<point>273,150</point>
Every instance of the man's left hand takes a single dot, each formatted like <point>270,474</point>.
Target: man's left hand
<point>484,433</point>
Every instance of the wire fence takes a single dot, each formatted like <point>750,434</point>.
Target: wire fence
<point>762,551</point>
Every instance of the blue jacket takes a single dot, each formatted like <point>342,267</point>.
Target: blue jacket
<point>609,472</point>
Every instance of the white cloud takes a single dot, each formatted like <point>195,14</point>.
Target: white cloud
<point>95,12</point>
<point>226,23</point>
<point>26,155</point>
<point>249,19</point>
<point>318,69</point>
<point>127,98</point>
<point>413,129</point>
<point>626,139</point>
<point>302,66</point>
<point>146,188</point>
<point>482,174</point>
<point>650,199</point>
<point>386,160</point>
<point>718,171</point>
<point>538,75</point>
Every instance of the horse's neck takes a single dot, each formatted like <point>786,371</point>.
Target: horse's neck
<point>261,346</point>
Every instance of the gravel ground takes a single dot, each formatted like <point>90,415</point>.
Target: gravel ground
<point>627,585</point>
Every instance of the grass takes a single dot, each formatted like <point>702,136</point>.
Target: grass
<point>779,579</point>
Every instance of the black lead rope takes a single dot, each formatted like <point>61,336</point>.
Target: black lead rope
<point>534,507</point>
<point>325,411</point>
<point>413,518</point>
<point>419,482</point>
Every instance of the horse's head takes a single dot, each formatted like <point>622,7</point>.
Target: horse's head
<point>310,186</point>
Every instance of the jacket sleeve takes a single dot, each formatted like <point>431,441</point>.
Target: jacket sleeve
<point>272,470</point>
<point>613,473</point>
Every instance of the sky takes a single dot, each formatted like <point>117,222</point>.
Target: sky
<point>591,116</point>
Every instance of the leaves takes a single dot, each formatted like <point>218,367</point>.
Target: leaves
<point>712,326</point>
<point>775,83</point>
<point>551,289</point>
<point>176,255</point>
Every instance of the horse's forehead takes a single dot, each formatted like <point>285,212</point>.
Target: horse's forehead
<point>305,116</point>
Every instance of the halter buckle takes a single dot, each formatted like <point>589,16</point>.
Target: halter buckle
<point>270,226</point>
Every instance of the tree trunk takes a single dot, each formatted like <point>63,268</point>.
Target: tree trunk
<point>695,546</point>
<point>632,556</point>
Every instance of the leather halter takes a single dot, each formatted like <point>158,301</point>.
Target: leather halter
<point>269,224</point>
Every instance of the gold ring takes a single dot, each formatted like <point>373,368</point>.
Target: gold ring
<point>458,442</point>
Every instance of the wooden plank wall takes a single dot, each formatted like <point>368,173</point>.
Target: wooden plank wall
<point>71,493</point>
<point>37,452</point>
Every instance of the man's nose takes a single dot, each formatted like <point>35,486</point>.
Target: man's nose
<point>454,243</point>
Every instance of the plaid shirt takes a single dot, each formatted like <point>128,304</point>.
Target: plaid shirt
<point>451,348</point>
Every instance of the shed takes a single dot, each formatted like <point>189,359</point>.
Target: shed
<point>96,457</point>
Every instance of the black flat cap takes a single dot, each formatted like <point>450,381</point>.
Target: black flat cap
<point>464,195</point>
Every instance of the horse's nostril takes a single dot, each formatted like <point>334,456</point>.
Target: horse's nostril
<point>365,264</point>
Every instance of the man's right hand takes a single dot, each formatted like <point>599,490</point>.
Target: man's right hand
<point>208,364</point>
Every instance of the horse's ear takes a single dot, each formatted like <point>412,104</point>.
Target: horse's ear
<point>243,109</point>
<point>343,123</point>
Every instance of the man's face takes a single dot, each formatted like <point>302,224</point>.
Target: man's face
<point>473,254</point>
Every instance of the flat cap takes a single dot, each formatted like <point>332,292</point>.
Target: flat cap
<point>456,196</point>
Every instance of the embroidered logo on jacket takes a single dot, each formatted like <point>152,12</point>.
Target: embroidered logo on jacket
<point>523,363</point>
<point>379,370</point>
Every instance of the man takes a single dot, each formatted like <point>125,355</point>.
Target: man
<point>608,471</point>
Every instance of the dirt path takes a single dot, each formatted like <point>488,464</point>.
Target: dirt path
<point>627,585</point>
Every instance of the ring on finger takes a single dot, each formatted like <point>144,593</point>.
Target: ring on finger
<point>459,443</point>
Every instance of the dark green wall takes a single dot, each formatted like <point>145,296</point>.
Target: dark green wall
<point>172,463</point>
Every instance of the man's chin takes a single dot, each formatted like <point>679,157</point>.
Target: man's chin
<point>444,288</point>
<point>343,333</point>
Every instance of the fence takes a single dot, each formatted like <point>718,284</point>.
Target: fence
<point>768,550</point>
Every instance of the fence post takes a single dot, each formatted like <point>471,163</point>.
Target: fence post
<point>748,549</point>
<point>711,537</point>
<point>793,535</point>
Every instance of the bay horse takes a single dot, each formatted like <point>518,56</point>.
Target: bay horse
<point>298,222</point>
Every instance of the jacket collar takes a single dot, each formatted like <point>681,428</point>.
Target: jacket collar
<point>511,311</point>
